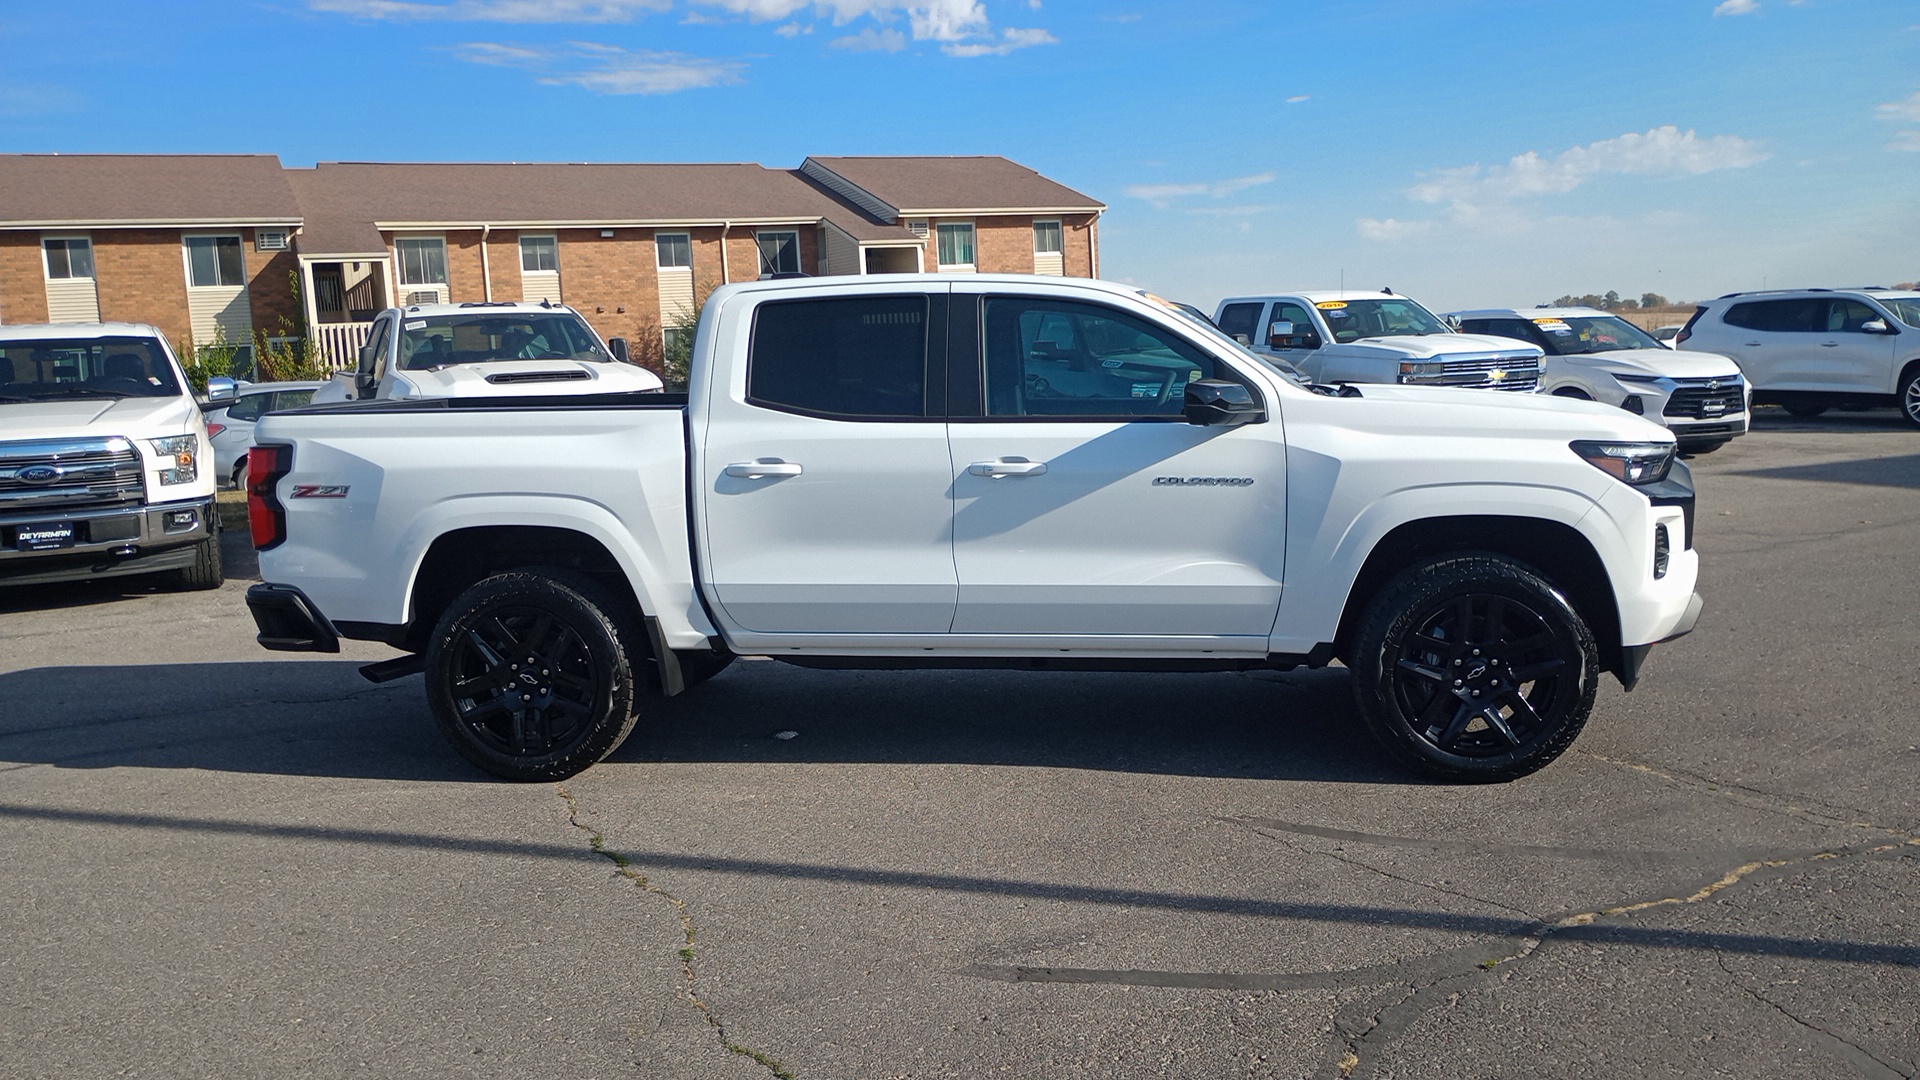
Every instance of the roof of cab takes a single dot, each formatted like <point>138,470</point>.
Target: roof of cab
<point>44,331</point>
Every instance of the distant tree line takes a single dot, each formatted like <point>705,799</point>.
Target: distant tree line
<point>1613,301</point>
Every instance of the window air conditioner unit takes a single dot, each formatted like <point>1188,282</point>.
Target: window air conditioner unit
<point>270,240</point>
<point>918,228</point>
<point>424,296</point>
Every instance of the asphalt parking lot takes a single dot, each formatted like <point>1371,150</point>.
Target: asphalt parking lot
<point>229,863</point>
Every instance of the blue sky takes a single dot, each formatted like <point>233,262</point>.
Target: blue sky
<point>1468,153</point>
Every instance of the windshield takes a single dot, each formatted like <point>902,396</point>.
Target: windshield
<point>440,340</point>
<point>1351,320</point>
<point>111,367</point>
<point>1905,308</point>
<point>1205,325</point>
<point>1578,335</point>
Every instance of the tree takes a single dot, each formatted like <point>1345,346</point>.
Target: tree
<point>1611,301</point>
<point>1653,299</point>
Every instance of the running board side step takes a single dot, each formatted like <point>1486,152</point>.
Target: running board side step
<point>397,668</point>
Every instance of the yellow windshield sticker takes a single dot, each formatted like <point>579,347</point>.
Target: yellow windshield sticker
<point>1331,305</point>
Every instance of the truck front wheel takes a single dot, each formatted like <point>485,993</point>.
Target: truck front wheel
<point>1473,668</point>
<point>530,674</point>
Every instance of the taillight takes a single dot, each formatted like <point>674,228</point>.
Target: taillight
<point>266,518</point>
<point>215,429</point>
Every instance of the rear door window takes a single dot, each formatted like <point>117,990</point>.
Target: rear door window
<point>860,358</point>
<point>1241,320</point>
<point>1801,316</point>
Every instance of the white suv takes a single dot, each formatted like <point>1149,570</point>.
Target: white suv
<point>1812,349</point>
<point>1602,357</point>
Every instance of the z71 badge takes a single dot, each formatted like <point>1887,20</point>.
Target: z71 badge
<point>319,491</point>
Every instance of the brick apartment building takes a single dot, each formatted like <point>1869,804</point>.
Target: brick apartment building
<point>213,247</point>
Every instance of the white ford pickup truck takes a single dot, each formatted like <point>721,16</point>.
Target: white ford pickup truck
<point>983,471</point>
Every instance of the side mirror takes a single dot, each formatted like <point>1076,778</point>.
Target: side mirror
<point>618,346</point>
<point>364,382</point>
<point>1876,326</point>
<point>1285,335</point>
<point>1219,403</point>
<point>221,391</point>
<point>1280,329</point>
<point>1243,339</point>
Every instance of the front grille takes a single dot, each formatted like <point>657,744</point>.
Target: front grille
<point>537,376</point>
<point>1520,373</point>
<point>69,474</point>
<point>1699,401</point>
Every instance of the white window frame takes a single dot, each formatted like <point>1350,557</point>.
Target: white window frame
<point>688,237</point>
<point>46,266</point>
<point>400,262</point>
<point>1059,228</point>
<point>760,254</point>
<point>972,231</point>
<point>186,258</point>
<point>549,238</point>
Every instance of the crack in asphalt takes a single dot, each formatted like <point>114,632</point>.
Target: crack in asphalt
<point>624,867</point>
<point>1869,1064</point>
<point>1392,1018</point>
<point>1250,823</point>
<point>1756,798</point>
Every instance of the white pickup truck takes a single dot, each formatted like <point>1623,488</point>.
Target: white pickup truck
<point>1376,337</point>
<point>105,465</point>
<point>500,349</point>
<point>984,471</point>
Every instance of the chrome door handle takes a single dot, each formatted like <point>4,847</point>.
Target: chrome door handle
<point>755,470</point>
<point>1008,467</point>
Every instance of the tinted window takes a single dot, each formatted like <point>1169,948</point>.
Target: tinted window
<point>249,407</point>
<point>1848,316</point>
<point>1056,358</point>
<point>1780,316</point>
<point>291,399</point>
<point>1517,329</point>
<point>1240,320</point>
<point>859,357</point>
<point>105,367</point>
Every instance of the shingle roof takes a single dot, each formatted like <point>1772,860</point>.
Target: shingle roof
<point>932,185</point>
<point>139,189</point>
<point>345,200</point>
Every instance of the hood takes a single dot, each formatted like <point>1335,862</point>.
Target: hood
<point>1502,414</point>
<point>521,378</point>
<point>1433,347</point>
<point>1665,363</point>
<point>135,418</point>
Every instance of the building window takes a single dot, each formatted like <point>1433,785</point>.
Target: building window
<point>1046,238</point>
<point>779,252</point>
<point>955,244</point>
<point>676,250</point>
<point>215,261</point>
<point>423,260</point>
<point>69,258</point>
<point>538,254</point>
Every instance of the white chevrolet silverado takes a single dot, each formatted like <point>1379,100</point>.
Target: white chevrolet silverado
<point>978,471</point>
<point>1376,337</point>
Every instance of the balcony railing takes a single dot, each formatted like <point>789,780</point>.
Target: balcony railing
<point>340,342</point>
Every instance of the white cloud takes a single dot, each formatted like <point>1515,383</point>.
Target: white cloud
<point>1906,142</point>
<point>606,69</point>
<point>1297,99</point>
<point>506,11</point>
<point>1162,195</point>
<point>1663,151</point>
<point>1737,7</point>
<point>1908,110</point>
<point>872,39</point>
<point>792,30</point>
<point>1390,228</point>
<point>1010,40</point>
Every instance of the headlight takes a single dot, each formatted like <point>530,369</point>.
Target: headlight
<point>1412,369</point>
<point>1635,463</point>
<point>1630,376</point>
<point>185,451</point>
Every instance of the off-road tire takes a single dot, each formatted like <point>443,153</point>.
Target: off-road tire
<point>1445,628</point>
<point>531,674</point>
<point>207,571</point>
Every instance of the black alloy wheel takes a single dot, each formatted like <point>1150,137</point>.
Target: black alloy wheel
<point>1475,668</point>
<point>530,675</point>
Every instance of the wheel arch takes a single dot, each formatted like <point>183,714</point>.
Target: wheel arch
<point>460,558</point>
<point>1560,552</point>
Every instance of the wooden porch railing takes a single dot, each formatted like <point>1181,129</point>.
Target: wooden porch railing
<point>340,342</point>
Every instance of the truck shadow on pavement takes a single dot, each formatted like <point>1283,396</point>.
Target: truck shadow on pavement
<point>319,718</point>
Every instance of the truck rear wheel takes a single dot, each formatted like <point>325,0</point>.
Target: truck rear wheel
<point>1473,668</point>
<point>530,674</point>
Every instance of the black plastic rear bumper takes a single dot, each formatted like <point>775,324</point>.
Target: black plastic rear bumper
<point>289,622</point>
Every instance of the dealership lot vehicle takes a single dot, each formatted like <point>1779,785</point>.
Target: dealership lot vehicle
<point>231,426</point>
<point>975,470</point>
<point>1814,349</point>
<point>1376,337</point>
<point>1600,356</point>
<point>104,458</point>
<point>498,349</point>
